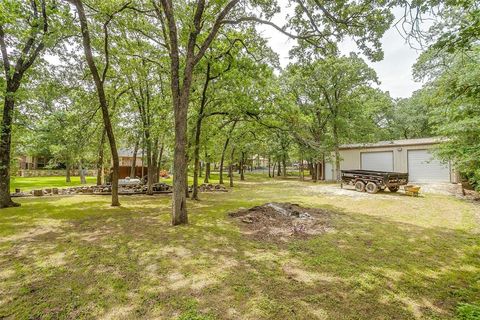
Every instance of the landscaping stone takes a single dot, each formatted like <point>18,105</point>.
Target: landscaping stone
<point>208,187</point>
<point>37,193</point>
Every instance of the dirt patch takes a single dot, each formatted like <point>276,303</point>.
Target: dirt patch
<point>282,221</point>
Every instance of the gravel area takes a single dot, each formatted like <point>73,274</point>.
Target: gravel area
<point>349,191</point>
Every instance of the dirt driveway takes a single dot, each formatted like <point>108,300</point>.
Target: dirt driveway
<point>349,191</point>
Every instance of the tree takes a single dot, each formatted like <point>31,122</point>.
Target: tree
<point>409,117</point>
<point>451,65</point>
<point>26,30</point>
<point>331,89</point>
<point>64,125</point>
<point>453,95</point>
<point>99,80</point>
<point>454,26</point>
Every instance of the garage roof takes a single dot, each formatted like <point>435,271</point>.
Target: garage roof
<point>394,143</point>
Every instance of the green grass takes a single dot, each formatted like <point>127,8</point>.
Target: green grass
<point>387,258</point>
<point>214,178</point>
<point>30,183</point>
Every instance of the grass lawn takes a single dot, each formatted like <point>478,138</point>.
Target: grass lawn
<point>387,257</point>
<point>30,183</point>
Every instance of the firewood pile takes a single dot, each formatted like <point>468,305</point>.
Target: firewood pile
<point>208,187</point>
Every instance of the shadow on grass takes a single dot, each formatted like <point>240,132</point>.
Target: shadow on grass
<point>128,262</point>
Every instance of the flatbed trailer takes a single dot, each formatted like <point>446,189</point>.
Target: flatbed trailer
<point>374,181</point>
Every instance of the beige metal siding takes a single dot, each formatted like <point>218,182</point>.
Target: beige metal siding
<point>351,158</point>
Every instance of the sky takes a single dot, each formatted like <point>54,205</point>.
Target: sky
<point>394,71</point>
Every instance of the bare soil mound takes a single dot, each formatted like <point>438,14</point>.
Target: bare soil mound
<point>282,221</point>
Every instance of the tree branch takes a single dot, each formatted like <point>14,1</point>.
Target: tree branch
<point>213,32</point>
<point>3,48</point>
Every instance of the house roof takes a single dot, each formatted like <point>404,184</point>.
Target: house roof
<point>125,152</point>
<point>394,143</point>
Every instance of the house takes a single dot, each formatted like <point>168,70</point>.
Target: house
<point>125,157</point>
<point>414,156</point>
<point>31,162</point>
<point>258,161</point>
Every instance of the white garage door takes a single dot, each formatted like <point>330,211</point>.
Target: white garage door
<point>423,167</point>
<point>379,161</point>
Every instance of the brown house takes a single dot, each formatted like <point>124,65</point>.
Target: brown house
<point>126,160</point>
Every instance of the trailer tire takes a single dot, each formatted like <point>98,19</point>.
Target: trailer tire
<point>371,187</point>
<point>393,189</point>
<point>360,186</point>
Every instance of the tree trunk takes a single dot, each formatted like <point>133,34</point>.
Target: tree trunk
<point>230,168</point>
<point>143,160</point>
<point>179,201</point>
<point>273,169</point>
<point>207,172</point>
<point>67,172</point>
<point>318,170</point>
<point>314,171</point>
<point>133,171</point>
<point>148,143</point>
<point>284,163</point>
<point>196,154</point>
<point>269,164</point>
<point>242,167</point>
<point>337,150</point>
<point>187,187</point>
<point>5,149</point>
<point>101,97</point>
<point>222,159</point>
<point>81,172</point>
<point>155,161</point>
<point>159,162</point>
<point>300,167</point>
<point>100,158</point>
<point>279,167</point>
<point>225,146</point>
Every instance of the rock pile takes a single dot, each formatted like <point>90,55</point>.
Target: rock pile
<point>101,189</point>
<point>212,188</point>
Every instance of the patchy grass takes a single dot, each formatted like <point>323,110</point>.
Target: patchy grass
<point>30,183</point>
<point>389,258</point>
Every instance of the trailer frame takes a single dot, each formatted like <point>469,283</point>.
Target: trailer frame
<point>373,181</point>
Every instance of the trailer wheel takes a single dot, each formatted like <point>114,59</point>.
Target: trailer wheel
<point>371,187</point>
<point>393,189</point>
<point>360,186</point>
